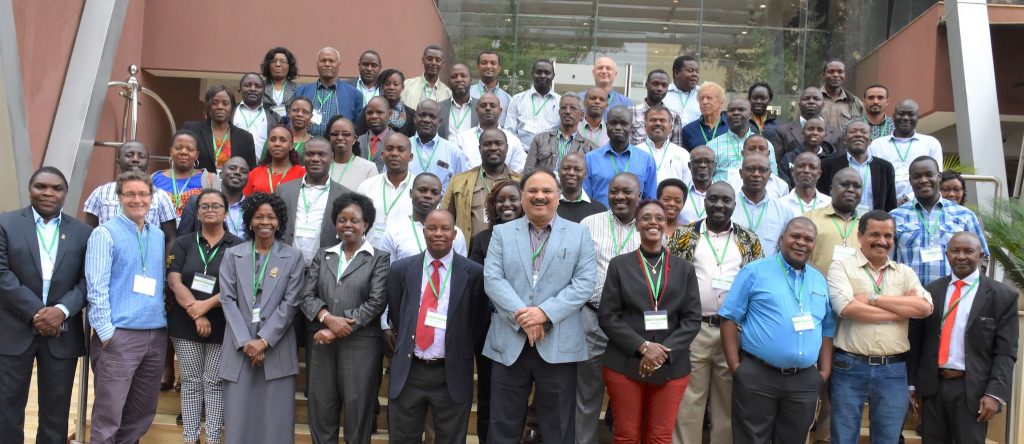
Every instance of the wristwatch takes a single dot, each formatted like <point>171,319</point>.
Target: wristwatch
<point>873,298</point>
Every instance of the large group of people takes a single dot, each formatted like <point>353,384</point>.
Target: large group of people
<point>561,247</point>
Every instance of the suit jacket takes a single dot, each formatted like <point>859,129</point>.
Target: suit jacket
<point>241,144</point>
<point>21,282</point>
<point>990,346</point>
<point>348,98</point>
<point>446,110</point>
<point>626,297</point>
<point>268,94</point>
<point>459,198</point>
<point>544,151</point>
<point>789,136</point>
<point>466,310</point>
<point>268,107</point>
<point>289,192</point>
<point>565,282</point>
<point>359,295</point>
<point>883,180</point>
<point>362,148</point>
<point>279,301</point>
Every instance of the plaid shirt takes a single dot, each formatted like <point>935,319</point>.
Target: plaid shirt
<point>728,149</point>
<point>639,134</point>
<point>917,231</point>
<point>881,130</point>
<point>104,204</point>
<point>683,242</point>
<point>326,101</point>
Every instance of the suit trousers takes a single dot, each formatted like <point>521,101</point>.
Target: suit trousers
<point>710,380</point>
<point>426,387</point>
<point>343,378</point>
<point>126,383</point>
<point>590,380</point>
<point>644,413</point>
<point>555,398</point>
<point>56,376</point>
<point>769,407</point>
<point>945,417</point>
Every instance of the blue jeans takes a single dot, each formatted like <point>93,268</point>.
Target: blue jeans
<point>854,382</point>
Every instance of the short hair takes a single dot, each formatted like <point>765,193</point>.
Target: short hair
<point>877,85</point>
<point>132,176</point>
<point>925,158</point>
<point>659,108</point>
<point>765,85</point>
<point>673,182</point>
<point>48,170</point>
<point>536,171</point>
<point>491,201</point>
<point>879,215</point>
<point>539,61</point>
<point>385,74</point>
<point>433,47</point>
<point>657,71</point>
<point>211,92</point>
<point>824,66</point>
<point>373,53</point>
<point>320,139</point>
<point>254,202</point>
<point>713,88</point>
<point>488,52</point>
<point>185,132</point>
<point>298,98</point>
<point>679,62</point>
<point>425,175</point>
<point>334,119</point>
<point>646,202</point>
<point>293,70</point>
<point>364,203</point>
<point>250,73</point>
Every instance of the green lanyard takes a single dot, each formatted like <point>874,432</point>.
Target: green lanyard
<point>615,235</point>
<point>305,200</point>
<point>713,130</point>
<point>270,178</point>
<point>175,194</point>
<point>615,163</point>
<point>683,102</point>
<point>865,177</point>
<point>202,254</point>
<point>760,218</point>
<point>444,283</point>
<point>655,286</point>
<point>849,228</point>
<point>797,292</point>
<point>876,283</point>
<point>330,93</point>
<point>537,110</point>
<point>563,145</point>
<point>249,123</point>
<point>957,302</point>
<point>257,278</point>
<point>416,234</point>
<point>698,211</point>
<point>459,121</point>
<point>218,146</point>
<point>143,248</point>
<point>348,164</point>
<point>384,195</point>
<point>428,91</point>
<point>540,248</point>
<point>905,153</point>
<point>814,204</point>
<point>664,152</point>
<point>52,245</point>
<point>592,135</point>
<point>484,180</point>
<point>929,228</point>
<point>430,160</point>
<point>719,259</point>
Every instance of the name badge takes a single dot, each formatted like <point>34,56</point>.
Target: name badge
<point>902,176</point>
<point>305,232</point>
<point>144,285</point>
<point>841,252</point>
<point>803,322</point>
<point>279,110</point>
<point>656,320</point>
<point>317,117</point>
<point>256,315</point>
<point>721,283</point>
<point>933,254</point>
<point>203,283</point>
<point>436,320</point>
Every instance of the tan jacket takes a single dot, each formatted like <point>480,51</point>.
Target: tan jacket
<point>459,199</point>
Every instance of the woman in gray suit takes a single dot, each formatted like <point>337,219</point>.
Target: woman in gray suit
<point>261,283</point>
<point>343,300</point>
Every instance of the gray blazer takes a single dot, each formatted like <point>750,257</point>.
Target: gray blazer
<point>359,296</point>
<point>446,113</point>
<point>543,152</point>
<point>565,283</point>
<point>289,192</point>
<point>279,300</point>
<point>268,93</point>
<point>364,148</point>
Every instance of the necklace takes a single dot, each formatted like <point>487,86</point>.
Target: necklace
<point>654,268</point>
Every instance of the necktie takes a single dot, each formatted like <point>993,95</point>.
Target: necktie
<point>374,142</point>
<point>948,321</point>
<point>425,334</point>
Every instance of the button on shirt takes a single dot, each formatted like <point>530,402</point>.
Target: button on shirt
<point>48,235</point>
<point>762,299</point>
<point>797,205</point>
<point>728,149</point>
<point>253,121</point>
<point>670,160</point>
<point>767,218</point>
<point>611,238</point>
<point>417,90</point>
<point>639,132</point>
<point>235,220</point>
<point>326,101</point>
<point>604,163</point>
<point>459,117</point>
<point>439,157</point>
<point>392,203</point>
<point>684,104</point>
<point>478,90</point>
<point>693,208</point>
<point>405,240</point>
<point>530,113</point>
<point>918,230</point>
<point>846,279</point>
<point>436,349</point>
<point>956,359</point>
<point>309,215</point>
<point>901,152</point>
<point>705,263</point>
<point>469,141</point>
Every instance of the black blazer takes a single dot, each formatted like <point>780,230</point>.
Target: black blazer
<point>21,282</point>
<point>990,346</point>
<point>466,309</point>
<point>789,136</point>
<point>446,110</point>
<point>626,297</point>
<point>241,144</point>
<point>289,192</point>
<point>883,180</point>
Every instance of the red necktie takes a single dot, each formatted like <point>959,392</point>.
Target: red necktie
<point>374,142</point>
<point>948,321</point>
<point>425,334</point>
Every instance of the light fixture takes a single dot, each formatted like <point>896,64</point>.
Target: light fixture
<point>743,32</point>
<point>664,28</point>
<point>763,6</point>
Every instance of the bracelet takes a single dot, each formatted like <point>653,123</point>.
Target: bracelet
<point>643,347</point>
<point>265,343</point>
<point>323,316</point>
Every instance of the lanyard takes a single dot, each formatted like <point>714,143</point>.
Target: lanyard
<point>52,245</point>
<point>444,283</point>
<point>484,180</point>
<point>416,234</point>
<point>343,261</point>
<point>615,163</point>
<point>563,145</point>
<point>814,204</point>
<point>849,227</point>
<point>459,120</point>
<point>760,218</point>
<point>905,153</point>
<point>797,292</point>
<point>759,123</point>
<point>202,254</point>
<point>428,91</point>
<point>430,160</point>
<point>615,235</point>
<point>930,229</point>
<point>865,175</point>
<point>384,195</point>
<point>681,101</point>
<point>957,302</point>
<point>273,85</point>
<point>537,110</point>
<point>257,278</point>
<point>877,283</point>
<point>175,194</point>
<point>237,226</point>
<point>305,200</point>
<point>655,287</point>
<point>533,256</point>
<point>592,135</point>
<point>249,123</point>
<point>664,152</point>
<point>330,93</point>
<point>270,177</point>
<point>351,160</point>
<point>719,259</point>
<point>698,211</point>
<point>143,248</point>
<point>218,146</point>
<point>714,130</point>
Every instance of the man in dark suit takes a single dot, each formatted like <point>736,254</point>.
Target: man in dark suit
<point>42,292</point>
<point>879,191</point>
<point>962,355</point>
<point>310,227</point>
<point>371,143</point>
<point>435,322</point>
<point>464,114</point>
<point>790,135</point>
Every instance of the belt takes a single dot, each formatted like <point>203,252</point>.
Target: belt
<point>784,371</point>
<point>713,320</point>
<point>874,360</point>
<point>948,373</point>
<point>428,362</point>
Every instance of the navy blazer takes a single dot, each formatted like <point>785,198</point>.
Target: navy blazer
<point>21,282</point>
<point>348,98</point>
<point>467,309</point>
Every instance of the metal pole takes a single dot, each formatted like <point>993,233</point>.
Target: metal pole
<point>83,388</point>
<point>133,100</point>
<point>1019,179</point>
<point>629,78</point>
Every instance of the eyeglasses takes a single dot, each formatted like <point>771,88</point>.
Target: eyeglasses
<point>337,134</point>
<point>142,195</point>
<point>278,62</point>
<point>703,161</point>
<point>211,207</point>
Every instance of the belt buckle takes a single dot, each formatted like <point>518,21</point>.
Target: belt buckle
<point>714,321</point>
<point>877,360</point>
<point>789,371</point>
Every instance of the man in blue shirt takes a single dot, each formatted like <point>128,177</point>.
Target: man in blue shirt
<point>788,326</point>
<point>124,269</point>
<point>432,153</point>
<point>758,211</point>
<point>330,96</point>
<point>618,156</point>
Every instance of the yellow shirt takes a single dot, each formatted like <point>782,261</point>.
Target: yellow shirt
<point>833,231</point>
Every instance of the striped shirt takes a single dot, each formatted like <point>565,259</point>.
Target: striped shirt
<point>919,232</point>
<point>728,149</point>
<point>104,204</point>
<point>530,114</point>
<point>611,238</point>
<point>639,133</point>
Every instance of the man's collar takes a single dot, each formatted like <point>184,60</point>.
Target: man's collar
<point>764,200</point>
<point>850,158</point>
<point>863,260</point>
<point>842,94</point>
<point>316,187</point>
<point>969,280</point>
<point>366,246</point>
<point>613,217</point>
<point>583,197</point>
<point>320,84</point>
<point>38,219</point>
<point>244,106</point>
<point>446,260</point>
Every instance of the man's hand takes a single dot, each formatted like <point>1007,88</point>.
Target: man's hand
<point>535,333</point>
<point>48,320</point>
<point>825,375</point>
<point>341,327</point>
<point>203,327</point>
<point>198,309</point>
<point>389,342</point>
<point>531,316</point>
<point>324,336</point>
<point>732,368</point>
<point>988,408</point>
<point>915,404</point>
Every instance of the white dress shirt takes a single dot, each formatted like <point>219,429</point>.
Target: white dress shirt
<point>711,274</point>
<point>611,238</point>
<point>901,152</point>
<point>396,199</point>
<point>48,235</point>
<point>693,208</point>
<point>799,207</point>
<point>766,218</point>
<point>253,121</point>
<point>683,104</point>
<point>776,188</point>
<point>956,359</point>
<point>530,114</point>
<point>436,349</point>
<point>342,263</point>
<point>469,141</point>
<point>459,117</point>
<point>403,240</point>
<point>672,161</point>
<point>309,217</point>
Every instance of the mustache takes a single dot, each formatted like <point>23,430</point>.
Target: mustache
<point>539,202</point>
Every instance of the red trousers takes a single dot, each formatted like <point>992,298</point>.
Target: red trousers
<point>644,413</point>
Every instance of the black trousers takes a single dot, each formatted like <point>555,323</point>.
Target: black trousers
<point>769,407</point>
<point>555,398</point>
<point>946,418</point>
<point>426,387</point>
<point>56,376</point>
<point>483,396</point>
